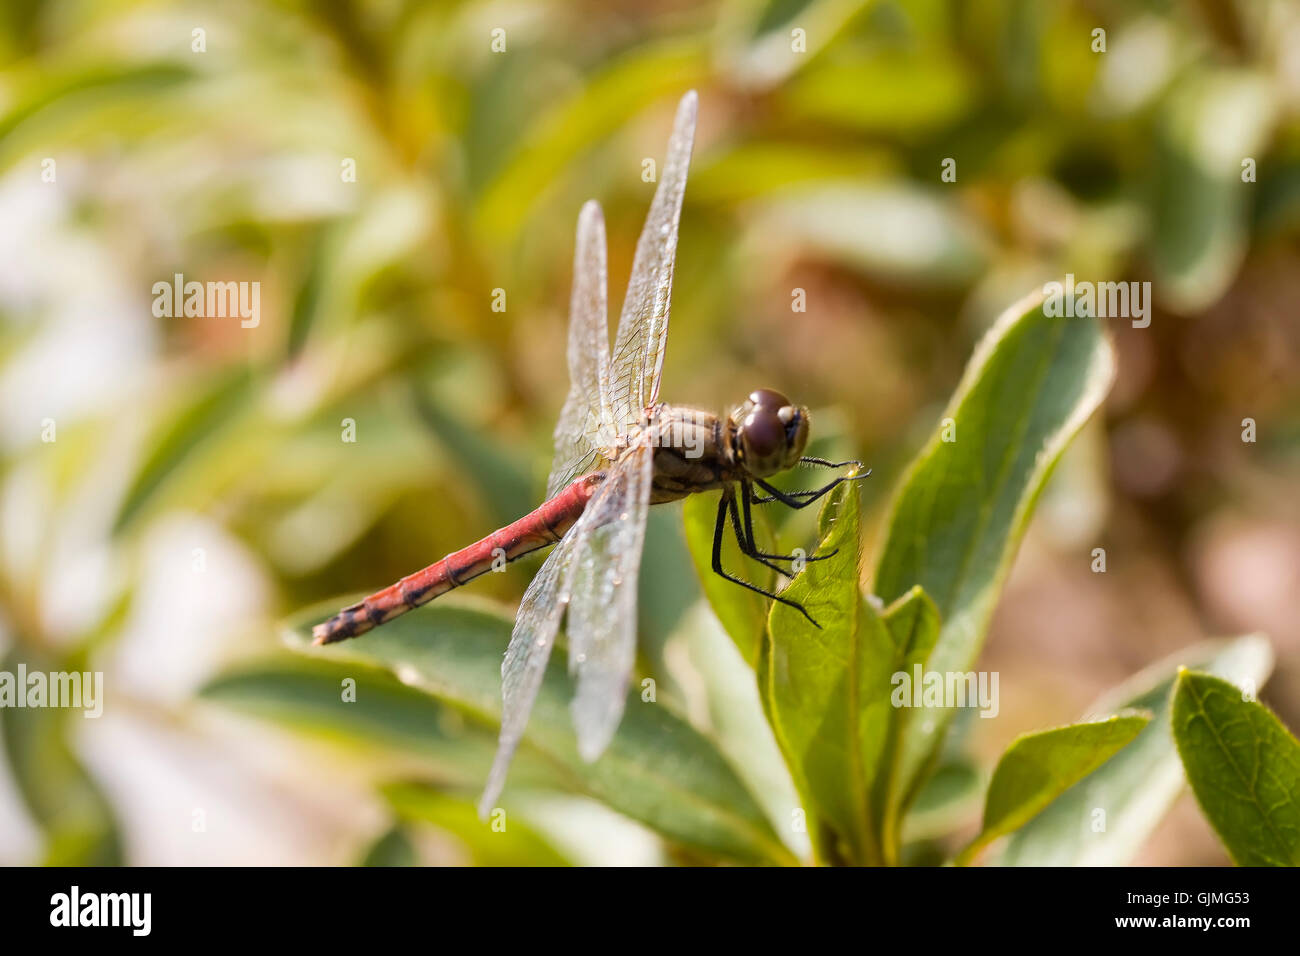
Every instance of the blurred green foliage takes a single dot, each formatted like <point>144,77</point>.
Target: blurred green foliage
<point>817,168</point>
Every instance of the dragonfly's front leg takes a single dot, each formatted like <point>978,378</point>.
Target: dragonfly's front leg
<point>726,504</point>
<point>802,499</point>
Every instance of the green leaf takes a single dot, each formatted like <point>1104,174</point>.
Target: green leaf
<point>75,817</point>
<point>501,841</point>
<point>307,299</point>
<point>1104,819</point>
<point>1200,204</point>
<point>893,231</point>
<point>503,482</point>
<point>601,105</point>
<point>742,612</point>
<point>667,590</point>
<point>754,39</point>
<point>86,87</point>
<point>912,626</point>
<point>918,89</point>
<point>658,770</point>
<point>394,848</point>
<point>951,796</point>
<point>738,722</point>
<point>1244,767</point>
<point>370,710</point>
<point>217,406</point>
<point>964,503</point>
<point>829,691</point>
<point>750,170</point>
<point>1037,768</point>
<point>824,685</point>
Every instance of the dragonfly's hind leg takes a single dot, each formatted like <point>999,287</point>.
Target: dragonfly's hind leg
<point>745,538</point>
<point>726,505</point>
<point>752,549</point>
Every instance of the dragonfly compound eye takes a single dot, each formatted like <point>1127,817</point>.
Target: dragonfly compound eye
<point>796,433</point>
<point>771,432</point>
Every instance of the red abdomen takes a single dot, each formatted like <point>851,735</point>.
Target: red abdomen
<point>539,528</point>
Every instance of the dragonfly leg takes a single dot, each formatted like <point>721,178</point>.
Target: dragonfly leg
<point>724,506</point>
<point>810,460</point>
<point>753,551</point>
<point>745,538</point>
<point>801,499</point>
<point>758,500</point>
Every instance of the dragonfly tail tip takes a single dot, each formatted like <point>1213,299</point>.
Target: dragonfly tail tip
<point>326,633</point>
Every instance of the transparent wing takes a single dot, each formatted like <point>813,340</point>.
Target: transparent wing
<point>524,667</point>
<point>586,409</point>
<point>593,573</point>
<point>602,624</point>
<point>638,355</point>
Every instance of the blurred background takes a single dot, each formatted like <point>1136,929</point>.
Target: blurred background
<point>172,487</point>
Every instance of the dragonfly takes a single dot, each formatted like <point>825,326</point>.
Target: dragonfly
<point>618,450</point>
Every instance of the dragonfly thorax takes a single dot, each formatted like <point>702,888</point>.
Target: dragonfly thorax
<point>769,433</point>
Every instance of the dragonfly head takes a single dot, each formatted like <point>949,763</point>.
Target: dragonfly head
<point>770,432</point>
